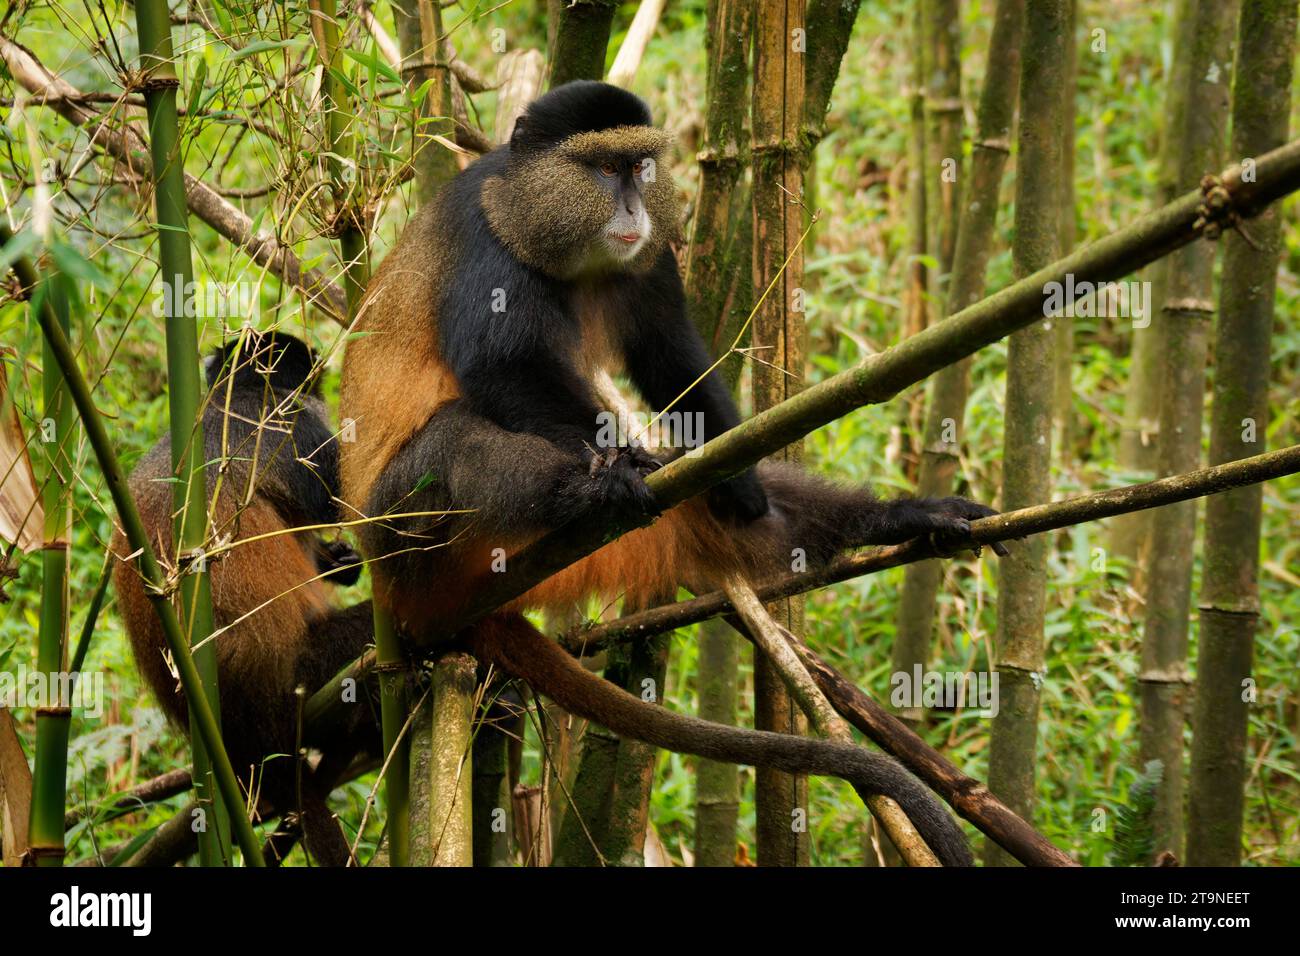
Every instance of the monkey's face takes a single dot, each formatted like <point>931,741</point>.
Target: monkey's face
<point>597,202</point>
<point>628,228</point>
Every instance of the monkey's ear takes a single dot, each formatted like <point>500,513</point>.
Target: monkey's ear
<point>517,133</point>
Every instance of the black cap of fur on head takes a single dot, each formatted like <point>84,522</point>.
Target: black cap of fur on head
<point>582,106</point>
<point>282,359</point>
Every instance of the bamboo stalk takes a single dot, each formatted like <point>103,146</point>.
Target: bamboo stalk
<point>1261,109</point>
<point>54,715</point>
<point>202,716</point>
<point>719,293</point>
<point>628,59</point>
<point>943,114</point>
<point>491,802</point>
<point>581,37</point>
<point>441,767</point>
<point>623,842</point>
<point>1130,537</point>
<point>425,59</point>
<point>1026,450</point>
<point>1186,313</point>
<point>917,313</point>
<point>779,340</point>
<point>185,388</point>
<point>714,261</point>
<point>946,408</point>
<point>1063,339</point>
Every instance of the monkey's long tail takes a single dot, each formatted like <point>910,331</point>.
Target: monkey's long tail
<point>514,645</point>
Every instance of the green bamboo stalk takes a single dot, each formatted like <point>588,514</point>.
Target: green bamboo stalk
<point>424,59</point>
<point>713,265</point>
<point>54,716</point>
<point>185,389</point>
<point>917,314</point>
<point>581,39</point>
<point>441,767</point>
<point>943,116</point>
<point>827,43</point>
<point>779,339</point>
<point>719,294</point>
<point>202,716</point>
<point>582,828</point>
<point>1026,451</point>
<point>1130,535</point>
<point>1186,312</point>
<point>946,408</point>
<point>491,800</point>
<point>717,785</point>
<point>1063,332</point>
<point>623,843</point>
<point>1261,109</point>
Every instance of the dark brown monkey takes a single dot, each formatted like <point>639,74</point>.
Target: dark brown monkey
<point>267,432</point>
<point>472,389</point>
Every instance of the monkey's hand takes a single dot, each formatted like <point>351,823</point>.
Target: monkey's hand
<point>339,560</point>
<point>948,520</point>
<point>740,499</point>
<point>618,476</point>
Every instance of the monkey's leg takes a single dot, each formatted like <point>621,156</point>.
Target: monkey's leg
<point>516,646</point>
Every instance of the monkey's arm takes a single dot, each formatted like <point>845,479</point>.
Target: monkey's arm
<point>512,363</point>
<point>665,356</point>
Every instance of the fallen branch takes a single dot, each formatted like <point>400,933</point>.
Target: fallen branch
<point>970,798</point>
<point>126,145</point>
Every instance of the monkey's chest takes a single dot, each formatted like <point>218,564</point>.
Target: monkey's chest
<point>597,352</point>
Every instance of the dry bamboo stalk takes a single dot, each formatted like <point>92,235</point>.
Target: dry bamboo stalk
<point>637,39</point>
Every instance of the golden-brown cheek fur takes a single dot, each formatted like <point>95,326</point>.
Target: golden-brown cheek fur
<point>253,584</point>
<point>566,210</point>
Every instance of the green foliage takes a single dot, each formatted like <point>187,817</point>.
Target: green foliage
<point>1135,835</point>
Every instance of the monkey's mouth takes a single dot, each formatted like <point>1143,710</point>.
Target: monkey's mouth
<point>627,238</point>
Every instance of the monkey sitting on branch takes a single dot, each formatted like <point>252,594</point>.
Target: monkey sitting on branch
<point>270,449</point>
<point>478,426</point>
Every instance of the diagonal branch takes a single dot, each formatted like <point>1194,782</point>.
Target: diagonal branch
<point>776,643</point>
<point>1003,527</point>
<point>125,145</point>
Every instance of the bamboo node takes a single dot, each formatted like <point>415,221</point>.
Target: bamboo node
<point>150,83</point>
<point>53,710</point>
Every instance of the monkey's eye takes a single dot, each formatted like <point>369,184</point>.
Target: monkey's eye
<point>608,169</point>
<point>636,169</point>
